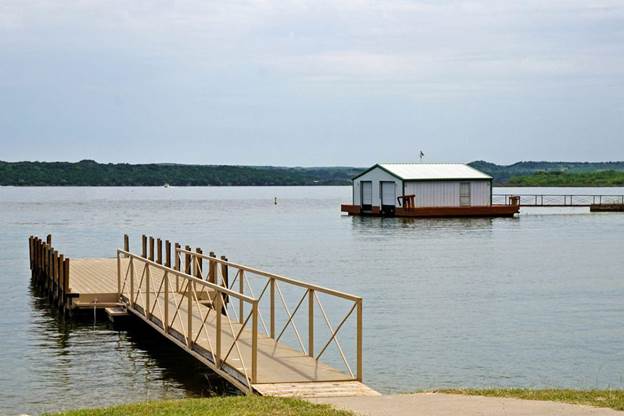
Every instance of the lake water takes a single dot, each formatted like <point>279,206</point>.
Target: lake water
<point>531,301</point>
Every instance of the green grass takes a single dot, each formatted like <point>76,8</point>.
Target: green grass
<point>613,399</point>
<point>217,406</point>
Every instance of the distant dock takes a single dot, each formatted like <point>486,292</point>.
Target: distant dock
<point>595,203</point>
<point>231,317</point>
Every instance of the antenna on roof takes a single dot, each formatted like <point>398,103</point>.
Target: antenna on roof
<point>421,155</point>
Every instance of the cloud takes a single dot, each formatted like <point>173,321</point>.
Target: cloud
<point>266,68</point>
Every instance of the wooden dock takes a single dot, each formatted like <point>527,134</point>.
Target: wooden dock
<point>490,211</point>
<point>209,308</point>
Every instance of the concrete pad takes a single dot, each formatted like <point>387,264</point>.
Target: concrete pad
<point>440,404</point>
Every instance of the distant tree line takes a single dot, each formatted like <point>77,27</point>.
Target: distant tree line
<point>595,178</point>
<point>552,173</point>
<point>91,173</point>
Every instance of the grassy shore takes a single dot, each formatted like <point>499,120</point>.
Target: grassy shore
<point>613,399</point>
<point>217,406</point>
<point>260,406</point>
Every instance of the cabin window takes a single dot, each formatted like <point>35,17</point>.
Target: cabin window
<point>464,194</point>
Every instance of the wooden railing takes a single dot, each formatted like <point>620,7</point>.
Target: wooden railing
<point>238,278</point>
<point>553,200</point>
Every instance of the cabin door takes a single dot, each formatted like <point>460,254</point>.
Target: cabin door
<point>464,194</point>
<point>388,197</point>
<point>366,188</point>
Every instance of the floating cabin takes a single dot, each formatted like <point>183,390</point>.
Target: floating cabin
<point>425,190</point>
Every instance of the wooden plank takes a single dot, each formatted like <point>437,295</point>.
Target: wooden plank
<point>318,389</point>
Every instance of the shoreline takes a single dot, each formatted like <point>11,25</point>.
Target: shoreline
<point>515,401</point>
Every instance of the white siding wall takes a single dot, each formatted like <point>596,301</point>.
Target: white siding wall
<point>434,194</point>
<point>480,193</point>
<point>375,176</point>
<point>446,193</point>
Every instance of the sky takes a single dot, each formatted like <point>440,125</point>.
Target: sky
<point>316,83</point>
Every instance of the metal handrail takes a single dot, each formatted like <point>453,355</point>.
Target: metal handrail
<point>562,200</point>
<point>189,293</point>
<point>188,276</point>
<point>274,291</point>
<point>295,282</point>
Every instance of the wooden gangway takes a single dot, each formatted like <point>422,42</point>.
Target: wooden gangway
<point>233,318</point>
<point>602,202</point>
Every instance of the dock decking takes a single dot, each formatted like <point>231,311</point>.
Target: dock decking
<point>208,307</point>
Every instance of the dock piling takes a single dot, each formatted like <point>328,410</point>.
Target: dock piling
<point>49,269</point>
<point>151,248</point>
<point>212,268</point>
<point>144,246</point>
<point>198,263</point>
<point>187,260</point>
<point>167,253</point>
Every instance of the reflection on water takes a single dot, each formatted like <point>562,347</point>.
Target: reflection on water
<point>87,361</point>
<point>530,301</point>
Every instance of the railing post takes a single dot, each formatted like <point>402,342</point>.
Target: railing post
<point>189,318</point>
<point>126,244</point>
<point>119,274</point>
<point>225,280</point>
<point>131,283</point>
<point>148,308</point>
<point>311,322</point>
<point>254,341</point>
<point>359,340</point>
<point>217,307</point>
<point>176,265</point>
<point>272,305</point>
<point>241,290</point>
<point>166,311</point>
